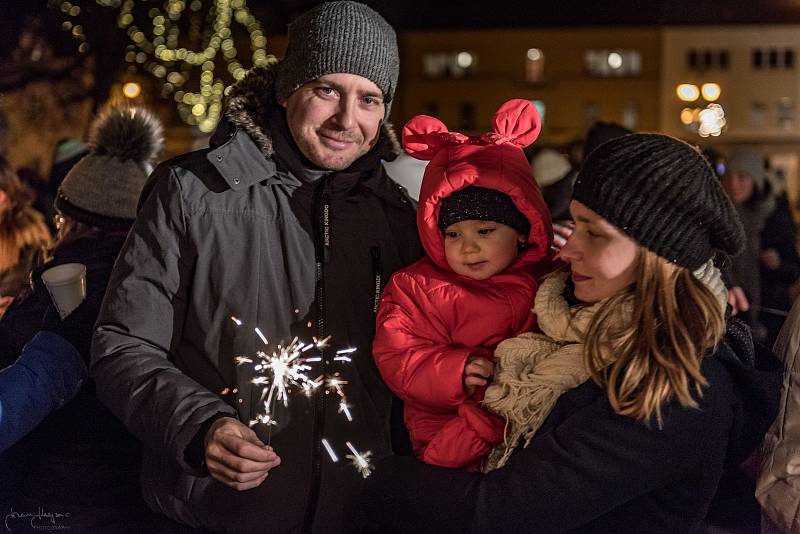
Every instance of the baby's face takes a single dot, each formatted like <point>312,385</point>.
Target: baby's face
<point>480,249</point>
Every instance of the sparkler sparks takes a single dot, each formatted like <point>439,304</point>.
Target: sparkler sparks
<point>328,448</point>
<point>362,461</point>
<point>288,367</point>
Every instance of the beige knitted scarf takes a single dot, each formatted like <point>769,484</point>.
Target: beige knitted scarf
<point>533,370</point>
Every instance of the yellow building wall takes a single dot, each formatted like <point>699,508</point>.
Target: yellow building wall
<point>500,75</point>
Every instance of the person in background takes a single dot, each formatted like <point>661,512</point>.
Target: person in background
<point>745,182</point>
<point>780,264</point>
<point>561,193</point>
<point>635,400</point>
<point>24,236</point>
<point>79,460</point>
<point>553,174</point>
<point>486,229</point>
<point>778,486</point>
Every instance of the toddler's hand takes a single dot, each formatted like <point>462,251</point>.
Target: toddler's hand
<point>477,372</point>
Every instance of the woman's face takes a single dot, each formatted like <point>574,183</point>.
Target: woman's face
<point>739,186</point>
<point>602,258</point>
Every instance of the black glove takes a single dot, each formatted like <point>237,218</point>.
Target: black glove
<point>78,326</point>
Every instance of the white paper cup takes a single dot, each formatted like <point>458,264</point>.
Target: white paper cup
<point>66,284</point>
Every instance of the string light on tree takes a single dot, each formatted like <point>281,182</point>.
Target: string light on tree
<point>164,52</point>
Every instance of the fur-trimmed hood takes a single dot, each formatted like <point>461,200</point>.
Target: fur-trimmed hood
<point>253,97</point>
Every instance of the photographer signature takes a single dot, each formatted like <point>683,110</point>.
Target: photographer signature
<point>41,518</point>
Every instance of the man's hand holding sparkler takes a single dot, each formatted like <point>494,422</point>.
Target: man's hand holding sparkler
<point>236,457</point>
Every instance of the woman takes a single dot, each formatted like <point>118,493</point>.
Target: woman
<point>656,406</point>
<point>23,234</point>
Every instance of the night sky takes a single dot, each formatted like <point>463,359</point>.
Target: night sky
<point>427,14</point>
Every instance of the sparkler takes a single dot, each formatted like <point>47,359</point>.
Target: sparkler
<point>279,371</point>
<point>287,366</point>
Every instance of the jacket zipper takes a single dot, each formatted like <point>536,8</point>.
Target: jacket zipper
<point>321,210</point>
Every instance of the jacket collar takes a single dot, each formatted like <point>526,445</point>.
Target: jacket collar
<point>254,127</point>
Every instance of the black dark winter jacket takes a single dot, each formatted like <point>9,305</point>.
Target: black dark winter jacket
<point>590,470</point>
<point>249,229</point>
<point>80,460</point>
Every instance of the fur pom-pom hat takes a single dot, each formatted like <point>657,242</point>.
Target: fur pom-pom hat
<point>103,188</point>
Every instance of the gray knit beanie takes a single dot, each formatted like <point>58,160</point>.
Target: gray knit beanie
<point>751,162</point>
<point>662,192</point>
<point>103,188</point>
<point>340,37</point>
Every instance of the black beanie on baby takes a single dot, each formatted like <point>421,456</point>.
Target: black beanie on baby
<point>475,203</point>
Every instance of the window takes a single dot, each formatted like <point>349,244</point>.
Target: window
<point>612,63</point>
<point>724,60</point>
<point>449,64</point>
<point>630,115</point>
<point>758,58</point>
<point>534,65</point>
<point>707,59</point>
<point>786,113</point>
<point>788,58</point>
<point>466,116</point>
<point>757,114</point>
<point>591,114</point>
<point>773,58</point>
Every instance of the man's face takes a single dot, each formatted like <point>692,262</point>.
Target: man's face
<point>335,119</point>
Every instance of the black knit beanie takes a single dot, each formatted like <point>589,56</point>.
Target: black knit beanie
<point>481,204</point>
<point>662,192</point>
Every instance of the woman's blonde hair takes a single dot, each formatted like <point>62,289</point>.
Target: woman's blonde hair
<point>675,320</point>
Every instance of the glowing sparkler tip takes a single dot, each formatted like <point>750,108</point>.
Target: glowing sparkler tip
<point>264,339</point>
<point>330,450</point>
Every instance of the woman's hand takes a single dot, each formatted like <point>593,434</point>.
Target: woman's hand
<point>477,372</point>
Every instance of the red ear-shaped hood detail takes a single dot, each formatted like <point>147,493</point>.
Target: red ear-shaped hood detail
<point>494,161</point>
<point>516,122</point>
<point>424,136</point>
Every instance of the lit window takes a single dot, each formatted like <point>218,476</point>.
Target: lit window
<point>786,113</point>
<point>449,64</point>
<point>630,115</point>
<point>757,114</point>
<point>534,65</point>
<point>611,63</point>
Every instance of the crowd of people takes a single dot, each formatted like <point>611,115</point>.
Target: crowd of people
<point>563,340</point>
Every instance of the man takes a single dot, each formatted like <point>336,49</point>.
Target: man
<point>287,223</point>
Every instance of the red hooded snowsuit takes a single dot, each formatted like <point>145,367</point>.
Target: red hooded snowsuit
<point>430,318</point>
